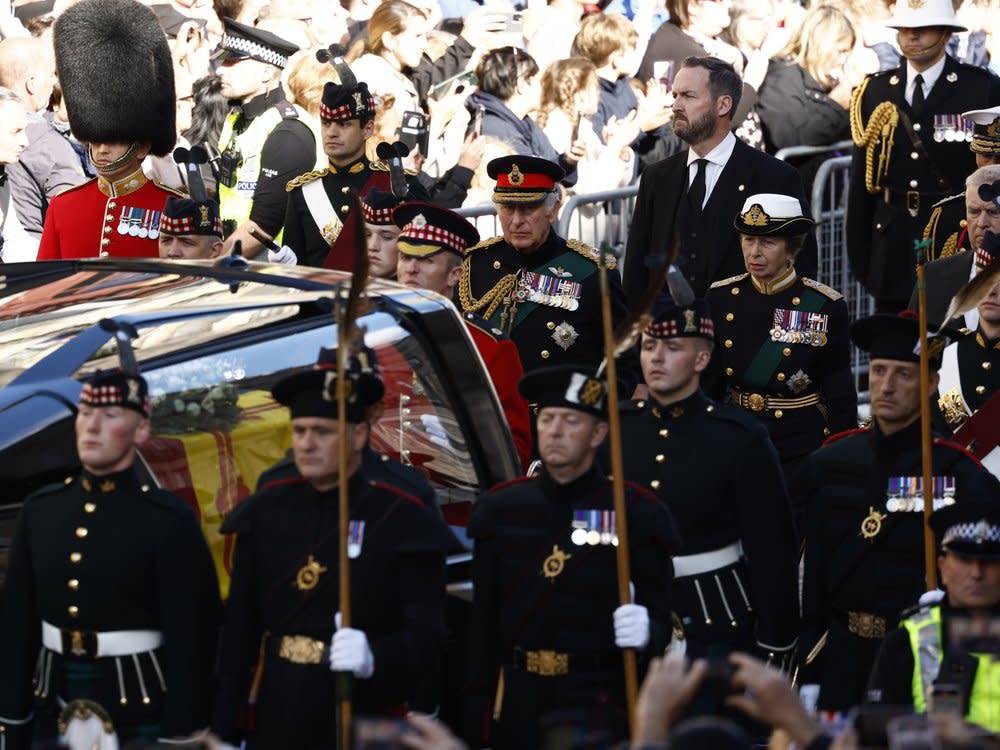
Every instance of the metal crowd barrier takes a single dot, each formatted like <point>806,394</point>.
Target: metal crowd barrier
<point>794,152</point>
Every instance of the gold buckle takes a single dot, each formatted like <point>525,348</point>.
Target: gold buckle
<point>756,402</point>
<point>299,649</point>
<point>866,625</point>
<point>547,663</point>
<point>913,202</point>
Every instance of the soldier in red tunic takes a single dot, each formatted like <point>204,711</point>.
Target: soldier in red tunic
<point>118,81</point>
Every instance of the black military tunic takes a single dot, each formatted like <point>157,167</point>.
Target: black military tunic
<point>548,302</point>
<point>713,466</point>
<point>970,375</point>
<point>538,592</point>
<point>891,201</point>
<point>946,228</point>
<point>301,231</point>
<point>864,548</point>
<point>99,554</point>
<point>285,585</point>
<point>783,354</point>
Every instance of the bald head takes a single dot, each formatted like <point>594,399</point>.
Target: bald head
<point>27,67</point>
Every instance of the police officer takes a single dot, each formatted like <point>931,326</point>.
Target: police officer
<point>864,525</point>
<point>911,147</point>
<point>925,651</point>
<point>547,626</point>
<point>111,603</point>
<point>118,83</point>
<point>281,646</point>
<point>782,348</point>
<point>713,465</point>
<point>539,289</point>
<point>432,243</point>
<point>319,226</point>
<point>265,140</point>
<point>190,229</point>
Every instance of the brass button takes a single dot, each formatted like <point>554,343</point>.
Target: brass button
<point>781,377</point>
<point>913,183</point>
<point>345,190</point>
<point>75,557</point>
<point>109,218</point>
<point>730,316</point>
<point>664,432</point>
<point>729,371</point>
<point>107,230</point>
<point>81,532</point>
<point>112,205</point>
<point>710,408</point>
<point>987,365</point>
<point>550,325</point>
<point>778,414</point>
<point>104,253</point>
<point>545,353</point>
<point>496,265</point>
<point>735,290</point>
<point>73,610</point>
<point>145,488</point>
<point>641,404</point>
<point>878,226</point>
<point>660,458</point>
<point>786,351</point>
<point>795,300</point>
<point>914,155</point>
<point>89,507</point>
<point>980,389</point>
<point>106,241</point>
<point>345,208</point>
<point>729,343</point>
<point>916,126</point>
<point>655,484</point>
<point>73,583</point>
<point>826,430</point>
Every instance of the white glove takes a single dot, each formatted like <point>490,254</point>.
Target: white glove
<point>285,255</point>
<point>931,597</point>
<point>631,626</point>
<point>350,652</point>
<point>88,734</point>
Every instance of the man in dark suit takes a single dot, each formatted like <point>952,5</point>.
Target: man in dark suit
<point>912,148</point>
<point>692,197</point>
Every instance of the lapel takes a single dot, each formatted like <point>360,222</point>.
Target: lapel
<point>730,189</point>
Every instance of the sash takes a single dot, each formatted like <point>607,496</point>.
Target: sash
<point>951,377</point>
<point>320,208</point>
<point>767,359</point>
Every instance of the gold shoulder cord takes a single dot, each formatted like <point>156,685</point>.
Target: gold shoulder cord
<point>881,127</point>
<point>491,300</point>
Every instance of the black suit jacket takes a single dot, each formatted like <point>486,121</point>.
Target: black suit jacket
<point>662,192</point>
<point>944,276</point>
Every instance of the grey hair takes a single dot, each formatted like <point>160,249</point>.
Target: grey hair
<point>983,176</point>
<point>549,201</point>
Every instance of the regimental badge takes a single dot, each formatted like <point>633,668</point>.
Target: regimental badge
<point>755,216</point>
<point>206,221</point>
<point>332,230</point>
<point>560,272</point>
<point>108,485</point>
<point>515,177</point>
<point>358,104</point>
<point>554,563</point>
<point>86,484</point>
<point>594,527</point>
<point>355,538</point>
<point>591,392</point>
<point>872,525</point>
<point>689,321</point>
<point>798,382</point>
<point>419,222</point>
<point>133,391</point>
<point>916,4</point>
<point>308,576</point>
<point>952,405</point>
<point>565,335</point>
<point>951,77</point>
<point>993,129</point>
<point>894,80</point>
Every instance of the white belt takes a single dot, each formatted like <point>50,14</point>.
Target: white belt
<point>113,643</point>
<point>704,562</point>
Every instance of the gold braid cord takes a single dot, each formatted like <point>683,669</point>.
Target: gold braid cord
<point>881,127</point>
<point>491,300</point>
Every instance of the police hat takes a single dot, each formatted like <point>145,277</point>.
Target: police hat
<point>428,229</point>
<point>116,388</point>
<point>378,205</point>
<point>186,216</point>
<point>895,337</point>
<point>985,130</point>
<point>670,320</point>
<point>970,528</point>
<point>523,179</point>
<point>341,103</point>
<point>116,74</point>
<point>772,214</point>
<point>240,42</point>
<point>313,393</point>
<point>568,386</point>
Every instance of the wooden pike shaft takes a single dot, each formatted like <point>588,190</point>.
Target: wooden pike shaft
<point>343,566</point>
<point>618,489</point>
<point>926,445</point>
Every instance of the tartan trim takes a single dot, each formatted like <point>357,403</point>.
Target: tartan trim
<point>377,215</point>
<point>185,225</point>
<point>345,111</point>
<point>431,233</point>
<point>669,328</point>
<point>107,395</point>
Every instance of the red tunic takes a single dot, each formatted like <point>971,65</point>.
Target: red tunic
<point>101,218</point>
<point>504,366</point>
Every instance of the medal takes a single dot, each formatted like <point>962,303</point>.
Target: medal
<point>143,232</point>
<point>154,226</point>
<point>872,525</point>
<point>355,536</point>
<point>578,537</point>
<point>123,222</point>
<point>593,537</point>
<point>554,563</point>
<point>308,575</point>
<point>135,216</point>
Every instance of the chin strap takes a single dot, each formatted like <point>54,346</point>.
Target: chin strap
<point>117,163</point>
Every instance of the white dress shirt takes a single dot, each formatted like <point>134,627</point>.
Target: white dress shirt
<point>930,78</point>
<point>717,159</point>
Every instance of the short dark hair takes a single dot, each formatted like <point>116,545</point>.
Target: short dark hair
<point>500,69</point>
<point>723,80</point>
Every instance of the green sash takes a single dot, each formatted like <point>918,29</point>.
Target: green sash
<point>766,361</point>
<point>581,269</point>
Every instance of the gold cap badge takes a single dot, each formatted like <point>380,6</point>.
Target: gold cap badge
<point>515,177</point>
<point>755,217</point>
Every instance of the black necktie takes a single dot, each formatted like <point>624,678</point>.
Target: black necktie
<point>918,95</point>
<point>696,193</point>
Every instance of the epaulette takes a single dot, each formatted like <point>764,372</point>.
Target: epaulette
<point>826,291</point>
<point>729,281</point>
<point>484,243</point>
<point>48,489</point>
<point>630,405</point>
<point>511,483</point>
<point>287,110</point>
<point>840,435</point>
<point>168,189</point>
<point>396,491</point>
<point>932,222</point>
<point>377,165</point>
<point>480,323</point>
<point>592,253</point>
<point>960,448</point>
<point>305,179</point>
<point>949,199</point>
<point>950,246</point>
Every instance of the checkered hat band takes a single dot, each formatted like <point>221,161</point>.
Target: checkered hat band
<point>984,259</point>
<point>667,328</point>
<point>344,111</point>
<point>429,233</point>
<point>254,49</point>
<point>106,395</point>
<point>185,225</point>
<point>978,532</point>
<point>376,215</point>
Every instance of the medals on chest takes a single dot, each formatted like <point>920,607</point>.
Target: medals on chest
<point>555,563</point>
<point>308,576</point>
<point>906,494</point>
<point>355,536</point>
<point>799,327</point>
<point>143,223</point>
<point>872,524</point>
<point>548,290</point>
<point>952,128</point>
<point>593,527</point>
